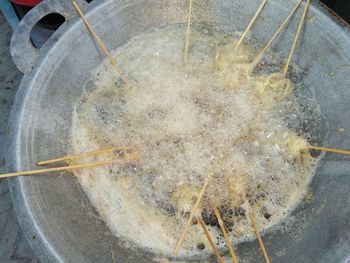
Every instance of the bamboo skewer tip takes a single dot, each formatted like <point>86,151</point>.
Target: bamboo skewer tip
<point>227,240</point>
<point>210,240</point>
<point>251,23</point>
<point>277,32</point>
<point>56,169</point>
<point>326,149</point>
<point>101,44</point>
<point>194,210</point>
<point>296,38</point>
<point>188,31</point>
<point>257,233</point>
<point>78,156</point>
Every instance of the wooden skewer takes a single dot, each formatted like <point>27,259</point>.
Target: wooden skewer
<point>250,24</point>
<point>279,29</point>
<point>79,156</point>
<point>113,256</point>
<point>100,43</point>
<point>261,243</point>
<point>325,149</point>
<point>194,209</point>
<point>63,174</point>
<point>296,38</point>
<point>55,169</point>
<point>188,31</point>
<point>211,242</point>
<point>228,242</point>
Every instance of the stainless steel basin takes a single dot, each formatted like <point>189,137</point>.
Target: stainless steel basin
<point>55,213</point>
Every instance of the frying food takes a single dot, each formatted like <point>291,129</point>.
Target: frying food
<point>214,116</point>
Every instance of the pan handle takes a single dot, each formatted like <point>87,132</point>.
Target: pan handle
<point>24,54</point>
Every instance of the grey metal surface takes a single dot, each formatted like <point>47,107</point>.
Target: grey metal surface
<point>55,209</point>
<point>14,248</point>
<point>23,52</point>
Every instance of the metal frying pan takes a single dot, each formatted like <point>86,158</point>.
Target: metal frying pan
<point>54,212</point>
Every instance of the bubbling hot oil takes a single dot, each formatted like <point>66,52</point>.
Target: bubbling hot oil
<point>182,123</point>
